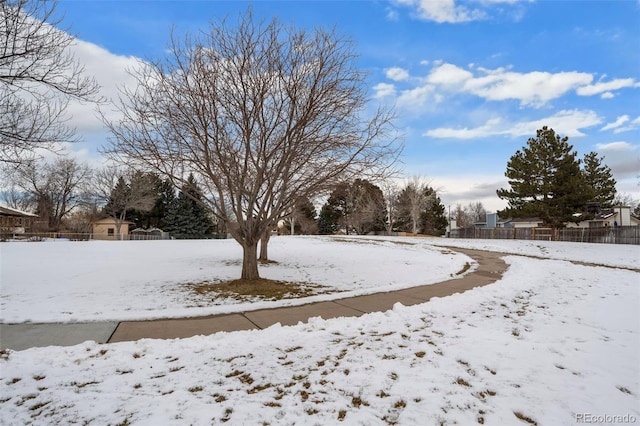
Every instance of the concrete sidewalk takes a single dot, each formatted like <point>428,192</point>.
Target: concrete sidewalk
<point>23,336</point>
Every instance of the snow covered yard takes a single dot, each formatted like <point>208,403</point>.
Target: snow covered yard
<point>553,342</point>
<point>64,281</point>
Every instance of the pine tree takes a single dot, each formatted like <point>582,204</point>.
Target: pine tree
<point>327,221</point>
<point>186,215</point>
<point>545,181</point>
<point>600,181</point>
<point>434,218</point>
<point>335,211</point>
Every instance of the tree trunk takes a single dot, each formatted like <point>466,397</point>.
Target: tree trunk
<point>264,243</point>
<point>250,261</point>
<point>118,228</point>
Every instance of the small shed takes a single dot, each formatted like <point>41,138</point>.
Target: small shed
<point>106,229</point>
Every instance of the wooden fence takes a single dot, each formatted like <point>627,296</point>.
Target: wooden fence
<point>607,235</point>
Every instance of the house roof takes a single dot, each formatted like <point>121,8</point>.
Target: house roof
<point>110,220</point>
<point>6,211</point>
<point>526,219</point>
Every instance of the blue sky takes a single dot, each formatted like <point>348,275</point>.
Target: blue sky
<point>471,81</point>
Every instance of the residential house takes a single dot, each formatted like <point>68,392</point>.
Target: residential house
<point>613,217</point>
<point>15,221</point>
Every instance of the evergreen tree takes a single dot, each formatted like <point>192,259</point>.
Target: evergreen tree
<point>358,207</point>
<point>434,218</point>
<point>134,190</point>
<point>545,181</point>
<point>327,221</point>
<point>164,193</point>
<point>600,181</point>
<point>121,191</point>
<point>186,214</point>
<point>335,211</point>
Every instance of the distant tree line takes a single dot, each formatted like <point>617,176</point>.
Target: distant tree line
<point>362,207</point>
<point>68,195</point>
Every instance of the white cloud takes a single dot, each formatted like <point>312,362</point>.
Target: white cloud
<point>416,98</point>
<point>110,71</point>
<point>490,128</point>
<point>533,89</point>
<point>600,87</point>
<point>397,74</point>
<point>451,11</point>
<point>566,122</point>
<point>622,157</point>
<point>442,11</point>
<point>384,89</point>
<point>619,122</point>
<point>465,189</point>
<point>633,125</point>
<point>616,146</point>
<point>449,74</point>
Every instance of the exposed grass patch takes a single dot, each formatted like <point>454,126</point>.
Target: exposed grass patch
<point>356,401</point>
<point>39,405</point>
<point>259,388</point>
<point>462,382</point>
<point>624,390</point>
<point>85,384</point>
<point>524,418</point>
<point>261,289</point>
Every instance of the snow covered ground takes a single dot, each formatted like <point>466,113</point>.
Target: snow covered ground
<point>554,342</point>
<point>64,281</point>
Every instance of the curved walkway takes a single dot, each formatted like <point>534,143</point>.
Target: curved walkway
<point>21,336</point>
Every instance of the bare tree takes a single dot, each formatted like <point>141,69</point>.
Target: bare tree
<point>120,190</point>
<point>262,114</point>
<point>38,78</point>
<point>53,188</point>
<point>368,210</point>
<point>476,212</point>
<point>390,191</point>
<point>413,201</point>
<point>17,199</point>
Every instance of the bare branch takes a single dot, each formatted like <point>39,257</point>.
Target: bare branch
<point>38,78</point>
